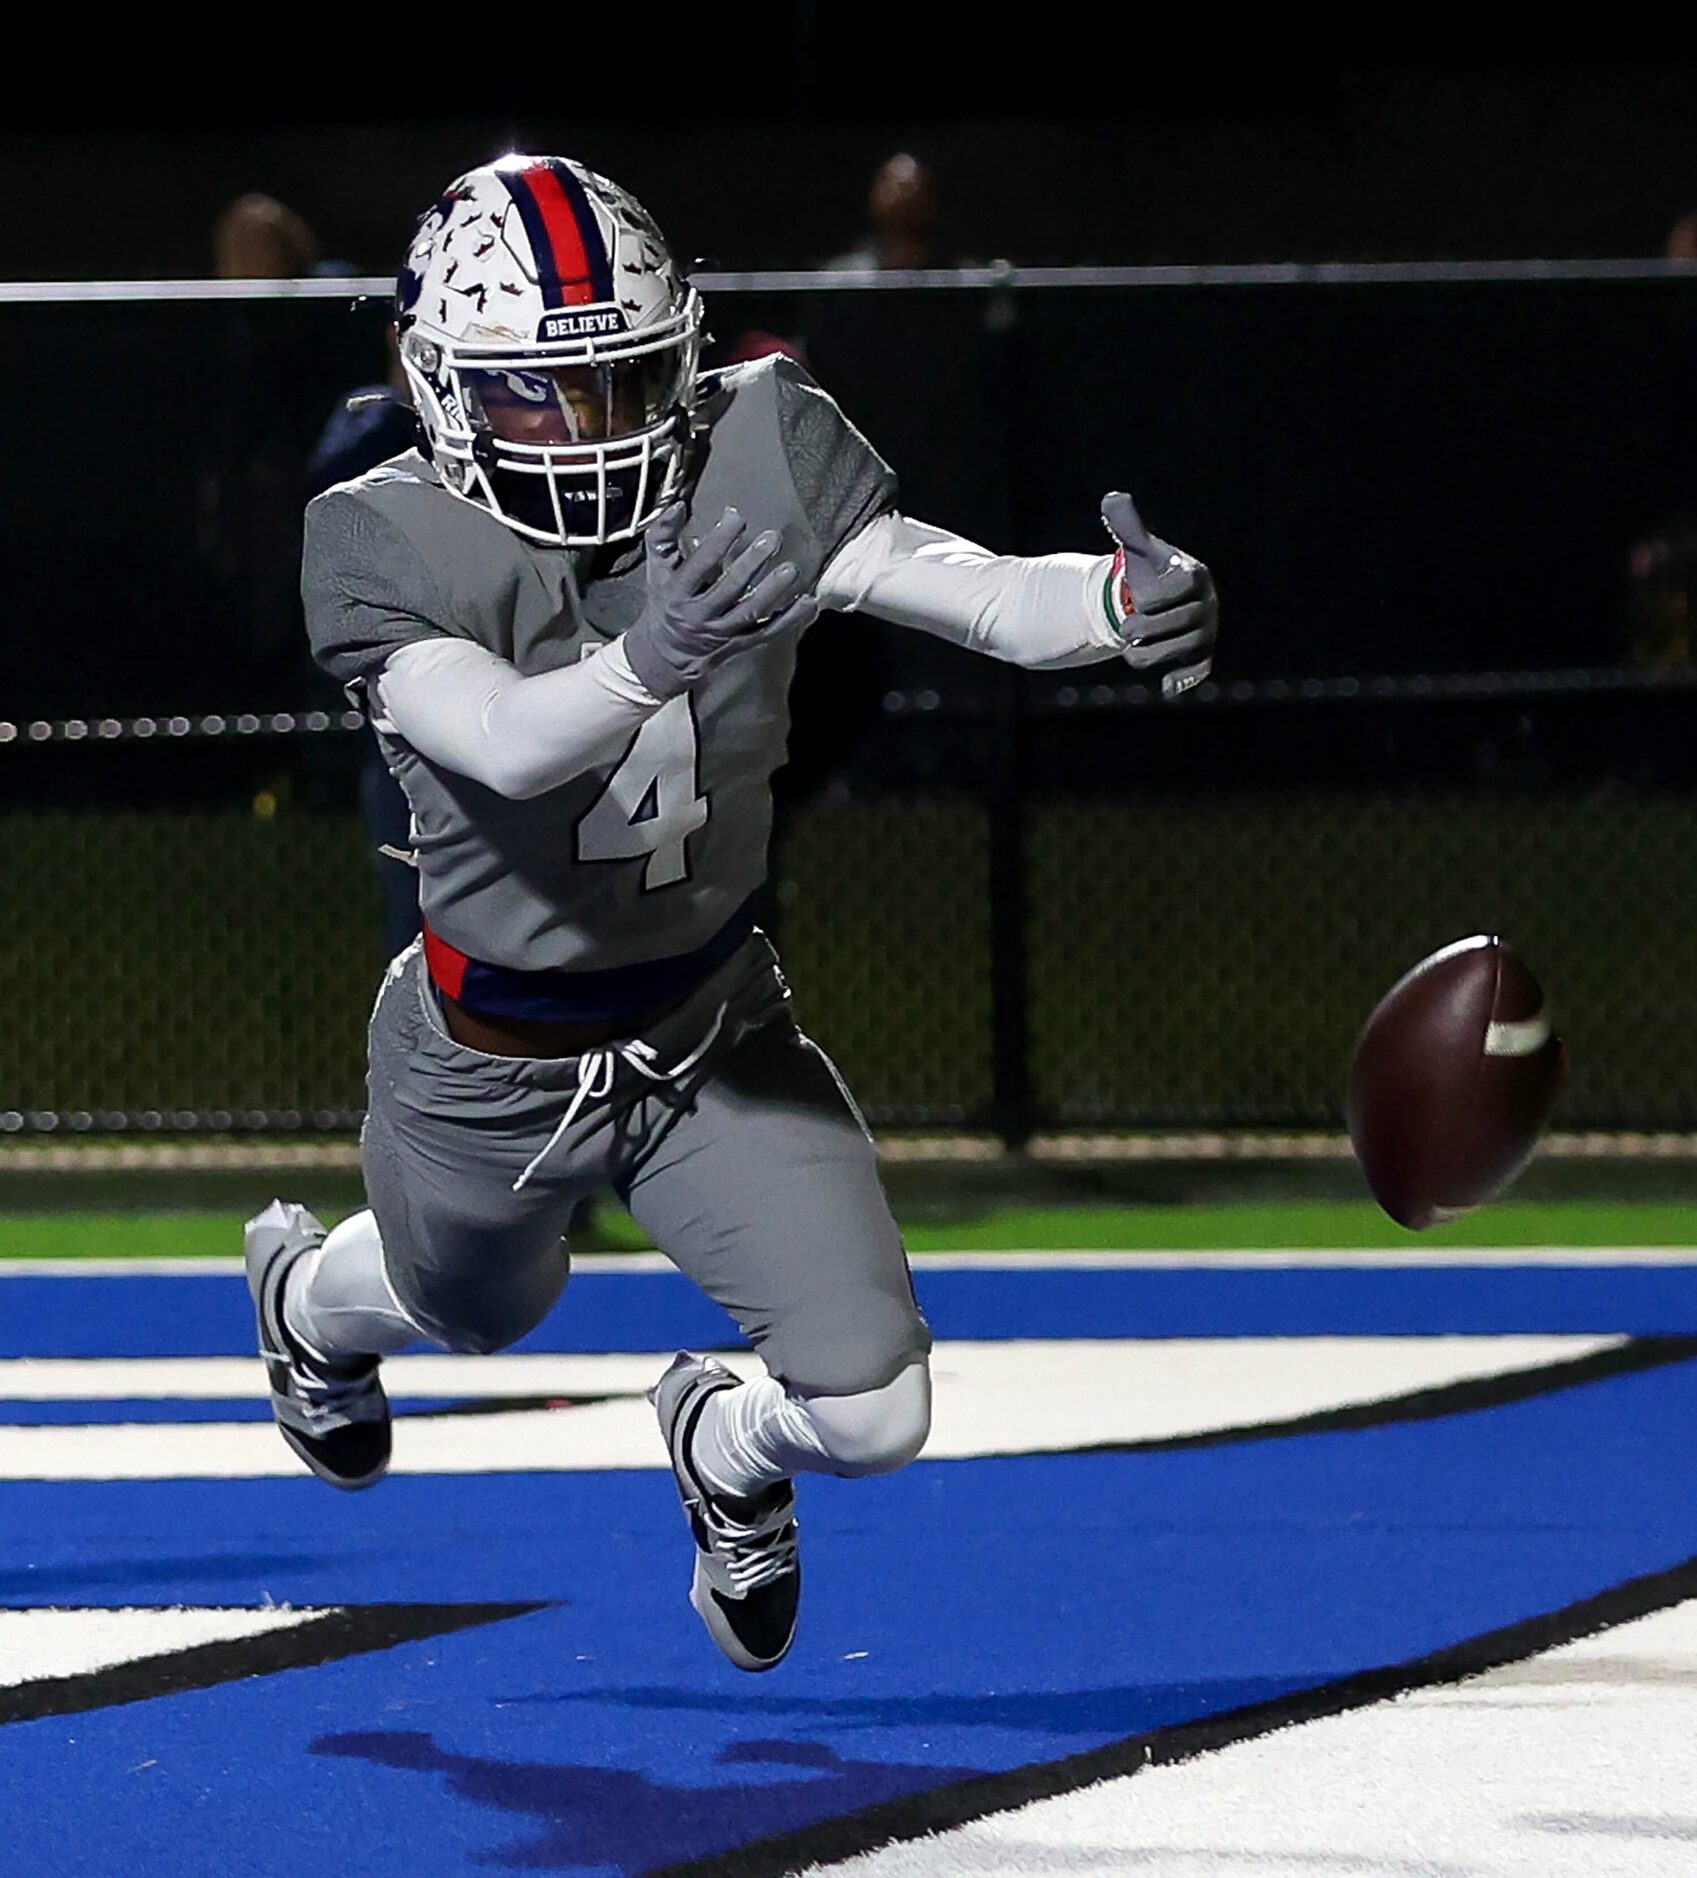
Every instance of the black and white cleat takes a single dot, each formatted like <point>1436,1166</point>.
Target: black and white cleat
<point>747,1584</point>
<point>334,1415</point>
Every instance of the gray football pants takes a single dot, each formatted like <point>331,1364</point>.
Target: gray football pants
<point>725,1131</point>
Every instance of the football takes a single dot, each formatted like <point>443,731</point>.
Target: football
<point>1452,1081</point>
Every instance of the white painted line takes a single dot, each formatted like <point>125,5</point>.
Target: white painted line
<point>1404,1256</point>
<point>213,1378</point>
<point>1314,1258</point>
<point>991,1398</point>
<point>1575,1764</point>
<point>38,1643</point>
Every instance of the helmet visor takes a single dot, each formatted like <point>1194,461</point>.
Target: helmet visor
<point>546,407</point>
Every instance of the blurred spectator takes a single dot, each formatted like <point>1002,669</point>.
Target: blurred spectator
<point>281,369</point>
<point>277,367</point>
<point>367,427</point>
<point>259,238</point>
<point>905,222</point>
<point>835,698</point>
<point>1662,564</point>
<point>1662,569</point>
<point>1682,239</point>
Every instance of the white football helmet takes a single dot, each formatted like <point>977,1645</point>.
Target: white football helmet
<point>552,349</point>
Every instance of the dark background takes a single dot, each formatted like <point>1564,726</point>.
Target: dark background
<point>1387,479</point>
<point>1018,898</point>
<point>1058,136</point>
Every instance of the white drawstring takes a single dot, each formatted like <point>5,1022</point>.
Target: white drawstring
<point>596,1070</point>
<point>594,1080</point>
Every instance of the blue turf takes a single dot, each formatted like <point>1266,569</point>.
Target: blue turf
<point>206,1315</point>
<point>996,1613</point>
<point>72,1412</point>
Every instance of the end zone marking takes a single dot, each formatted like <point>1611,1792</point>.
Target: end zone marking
<point>992,1399</point>
<point>315,1636</point>
<point>941,1810</point>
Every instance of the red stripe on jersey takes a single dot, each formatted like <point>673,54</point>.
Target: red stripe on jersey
<point>447,964</point>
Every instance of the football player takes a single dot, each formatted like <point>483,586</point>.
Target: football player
<point>572,614</point>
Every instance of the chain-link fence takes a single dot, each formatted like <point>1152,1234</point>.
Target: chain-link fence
<point>1005,901</point>
<point>1184,960</point>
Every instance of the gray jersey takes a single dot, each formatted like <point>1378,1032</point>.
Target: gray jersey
<point>646,857</point>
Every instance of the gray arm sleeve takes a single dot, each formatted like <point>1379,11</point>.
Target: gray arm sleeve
<point>364,586</point>
<point>468,709</point>
<point>1042,611</point>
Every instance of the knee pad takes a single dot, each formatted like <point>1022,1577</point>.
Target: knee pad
<point>878,1430</point>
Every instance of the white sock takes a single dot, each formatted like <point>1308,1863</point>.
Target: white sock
<point>758,1433</point>
<point>339,1301</point>
<point>754,1435</point>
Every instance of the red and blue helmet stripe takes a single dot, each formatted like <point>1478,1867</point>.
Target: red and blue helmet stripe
<point>573,267</point>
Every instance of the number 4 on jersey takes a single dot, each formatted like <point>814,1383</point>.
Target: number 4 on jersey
<point>651,804</point>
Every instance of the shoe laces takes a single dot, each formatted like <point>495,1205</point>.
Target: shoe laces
<point>325,1401</point>
<point>754,1553</point>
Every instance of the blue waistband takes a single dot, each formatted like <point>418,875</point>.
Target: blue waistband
<point>619,993</point>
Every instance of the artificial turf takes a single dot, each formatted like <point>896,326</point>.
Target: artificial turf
<point>1075,1228</point>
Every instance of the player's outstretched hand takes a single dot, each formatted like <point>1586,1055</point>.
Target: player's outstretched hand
<point>726,593</point>
<point>1162,600</point>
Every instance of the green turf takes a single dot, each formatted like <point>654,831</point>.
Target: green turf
<point>1300,1223</point>
<point>1303,1223</point>
<point>119,1235</point>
